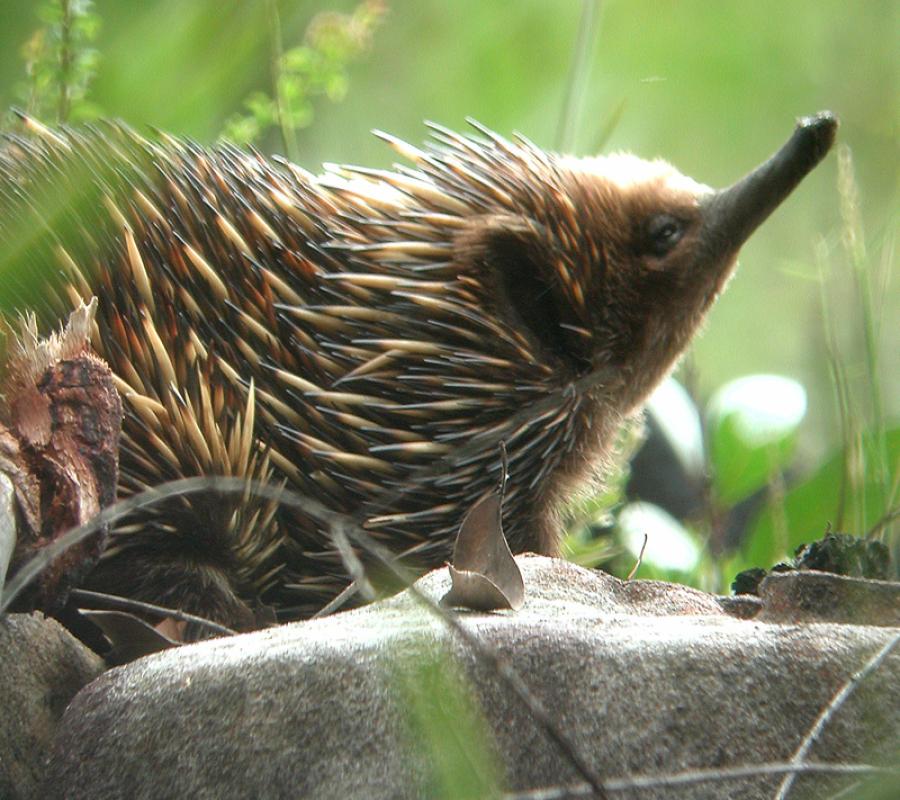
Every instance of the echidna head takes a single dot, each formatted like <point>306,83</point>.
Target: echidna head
<point>614,261</point>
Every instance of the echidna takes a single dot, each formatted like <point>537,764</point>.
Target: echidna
<point>369,337</point>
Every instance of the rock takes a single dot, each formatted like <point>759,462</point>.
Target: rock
<point>642,677</point>
<point>812,596</point>
<point>43,668</point>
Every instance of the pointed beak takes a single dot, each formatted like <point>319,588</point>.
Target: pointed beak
<point>732,214</point>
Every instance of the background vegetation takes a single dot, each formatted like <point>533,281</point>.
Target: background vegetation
<point>712,87</point>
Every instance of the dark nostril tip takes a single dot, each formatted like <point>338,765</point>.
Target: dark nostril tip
<point>821,129</point>
<point>823,120</point>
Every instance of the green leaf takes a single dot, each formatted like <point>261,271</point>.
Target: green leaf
<point>49,13</point>
<point>336,87</point>
<point>89,26</point>
<point>674,411</point>
<point>809,508</point>
<point>298,59</point>
<point>241,130</point>
<point>753,424</point>
<point>262,108</point>
<point>86,111</point>
<point>301,115</point>
<point>446,726</point>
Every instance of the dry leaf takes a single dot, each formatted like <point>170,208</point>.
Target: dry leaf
<point>484,574</point>
<point>129,635</point>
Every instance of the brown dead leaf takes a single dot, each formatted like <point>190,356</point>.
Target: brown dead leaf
<point>484,574</point>
<point>130,636</point>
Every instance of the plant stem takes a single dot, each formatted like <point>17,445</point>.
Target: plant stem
<point>288,134</point>
<point>65,61</point>
<point>854,243</point>
<point>839,384</point>
<point>587,33</point>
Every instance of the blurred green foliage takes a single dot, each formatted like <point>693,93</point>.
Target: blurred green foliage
<point>59,62</point>
<point>446,727</point>
<point>319,67</point>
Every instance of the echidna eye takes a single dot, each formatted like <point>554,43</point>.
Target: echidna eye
<point>663,232</point>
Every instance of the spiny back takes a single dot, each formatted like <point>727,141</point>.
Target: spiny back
<point>265,323</point>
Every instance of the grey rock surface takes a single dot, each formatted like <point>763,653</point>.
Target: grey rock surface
<point>43,669</point>
<point>643,678</point>
<point>810,596</point>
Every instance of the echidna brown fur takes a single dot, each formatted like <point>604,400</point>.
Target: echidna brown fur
<point>348,334</point>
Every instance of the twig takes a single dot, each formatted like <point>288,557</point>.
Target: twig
<point>640,558</point>
<point>337,602</point>
<point>127,604</point>
<point>355,568</point>
<point>608,127</point>
<point>121,508</point>
<point>276,67</point>
<point>714,775</point>
<point>831,709</point>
